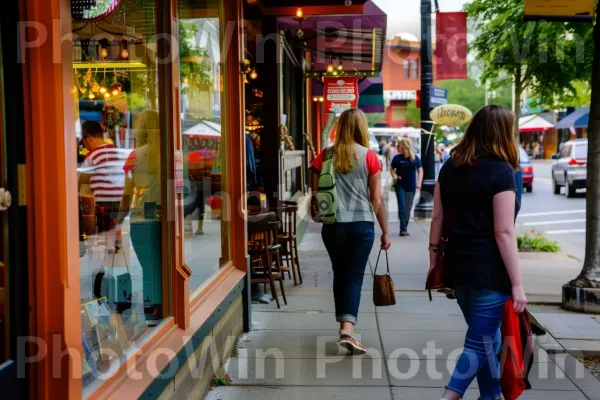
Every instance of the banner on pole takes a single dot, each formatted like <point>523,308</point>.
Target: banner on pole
<point>341,93</point>
<point>451,45</point>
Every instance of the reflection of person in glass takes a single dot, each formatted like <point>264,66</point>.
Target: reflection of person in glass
<point>102,170</point>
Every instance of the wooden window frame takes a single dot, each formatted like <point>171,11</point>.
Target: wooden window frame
<point>53,222</point>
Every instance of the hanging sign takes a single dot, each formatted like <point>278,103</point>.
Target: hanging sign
<point>341,93</point>
<point>559,10</point>
<point>450,115</point>
<point>179,181</point>
<point>451,45</point>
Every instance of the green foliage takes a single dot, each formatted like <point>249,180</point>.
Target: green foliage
<point>375,118</point>
<point>542,57</point>
<point>536,242</point>
<point>198,69</point>
<point>220,381</point>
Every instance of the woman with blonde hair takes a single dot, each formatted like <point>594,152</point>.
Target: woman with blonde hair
<point>407,171</point>
<point>476,193</point>
<point>350,239</point>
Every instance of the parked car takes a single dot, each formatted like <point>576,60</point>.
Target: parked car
<point>570,167</point>
<point>526,170</point>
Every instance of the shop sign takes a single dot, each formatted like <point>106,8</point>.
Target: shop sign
<point>559,10</point>
<point>450,115</point>
<point>179,181</point>
<point>341,93</point>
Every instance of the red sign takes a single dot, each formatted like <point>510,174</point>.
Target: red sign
<point>341,93</point>
<point>451,45</point>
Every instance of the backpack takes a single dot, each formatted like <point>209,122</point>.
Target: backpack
<point>326,196</point>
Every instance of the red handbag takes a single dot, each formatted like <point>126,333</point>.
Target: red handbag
<point>438,277</point>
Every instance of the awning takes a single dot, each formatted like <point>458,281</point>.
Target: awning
<point>357,40</point>
<point>577,119</point>
<point>534,123</point>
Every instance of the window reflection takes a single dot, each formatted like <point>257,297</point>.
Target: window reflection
<point>206,241</point>
<point>119,148</point>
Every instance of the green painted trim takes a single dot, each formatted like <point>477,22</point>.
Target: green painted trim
<point>160,383</point>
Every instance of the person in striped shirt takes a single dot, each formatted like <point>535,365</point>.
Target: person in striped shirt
<point>103,170</point>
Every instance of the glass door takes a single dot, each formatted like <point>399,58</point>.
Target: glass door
<point>14,303</point>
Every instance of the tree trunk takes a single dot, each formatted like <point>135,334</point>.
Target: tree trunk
<point>590,274</point>
<point>518,81</point>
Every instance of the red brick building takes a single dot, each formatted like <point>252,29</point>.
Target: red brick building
<point>401,78</point>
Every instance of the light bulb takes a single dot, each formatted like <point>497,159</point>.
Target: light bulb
<point>102,90</point>
<point>340,67</point>
<point>299,13</point>
<point>106,95</point>
<point>330,68</point>
<point>91,96</point>
<point>300,33</point>
<point>253,74</point>
<point>103,53</point>
<point>185,80</point>
<point>115,92</point>
<point>321,99</point>
<point>348,2</point>
<point>315,99</point>
<point>124,54</point>
<point>334,73</point>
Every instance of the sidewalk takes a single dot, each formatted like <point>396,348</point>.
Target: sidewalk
<point>291,352</point>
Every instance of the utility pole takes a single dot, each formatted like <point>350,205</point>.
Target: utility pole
<point>424,208</point>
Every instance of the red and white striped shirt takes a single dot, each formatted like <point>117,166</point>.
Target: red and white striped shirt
<point>105,165</point>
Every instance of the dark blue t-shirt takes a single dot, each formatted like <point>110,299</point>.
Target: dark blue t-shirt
<point>407,170</point>
<point>472,255</point>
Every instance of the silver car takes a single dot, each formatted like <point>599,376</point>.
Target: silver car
<point>570,167</point>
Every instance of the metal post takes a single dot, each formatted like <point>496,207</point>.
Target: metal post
<point>425,206</point>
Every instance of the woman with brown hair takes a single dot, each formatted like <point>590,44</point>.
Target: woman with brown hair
<point>350,239</point>
<point>476,190</point>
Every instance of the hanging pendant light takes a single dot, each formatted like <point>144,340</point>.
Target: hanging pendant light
<point>348,3</point>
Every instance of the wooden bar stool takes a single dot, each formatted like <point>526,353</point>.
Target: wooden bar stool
<point>287,214</point>
<point>264,249</point>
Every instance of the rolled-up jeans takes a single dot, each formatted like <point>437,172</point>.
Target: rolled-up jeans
<point>482,309</point>
<point>348,245</point>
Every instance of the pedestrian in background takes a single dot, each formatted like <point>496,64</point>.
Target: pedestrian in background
<point>350,239</point>
<point>477,190</point>
<point>407,171</point>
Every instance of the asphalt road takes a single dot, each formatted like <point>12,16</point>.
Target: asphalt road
<point>556,216</point>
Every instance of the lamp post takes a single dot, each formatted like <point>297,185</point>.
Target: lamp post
<point>424,208</point>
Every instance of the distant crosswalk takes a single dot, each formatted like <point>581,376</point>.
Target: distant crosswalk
<point>555,222</point>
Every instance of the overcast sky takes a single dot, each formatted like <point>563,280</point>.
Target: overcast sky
<point>404,15</point>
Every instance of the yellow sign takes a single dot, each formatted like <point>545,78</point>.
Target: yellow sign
<point>450,115</point>
<point>561,10</point>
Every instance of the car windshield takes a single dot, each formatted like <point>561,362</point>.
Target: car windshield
<point>581,151</point>
<point>523,157</point>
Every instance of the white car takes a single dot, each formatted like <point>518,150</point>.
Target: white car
<point>570,167</point>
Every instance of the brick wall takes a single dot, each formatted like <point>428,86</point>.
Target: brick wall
<point>193,378</point>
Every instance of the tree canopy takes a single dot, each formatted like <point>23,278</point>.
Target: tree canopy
<point>543,58</point>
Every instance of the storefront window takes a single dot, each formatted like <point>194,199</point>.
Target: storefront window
<point>203,134</point>
<point>119,163</point>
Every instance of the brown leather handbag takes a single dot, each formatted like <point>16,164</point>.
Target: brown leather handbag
<point>438,277</point>
<point>383,285</point>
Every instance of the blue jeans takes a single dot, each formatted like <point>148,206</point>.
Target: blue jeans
<point>483,310</point>
<point>348,245</point>
<point>405,203</point>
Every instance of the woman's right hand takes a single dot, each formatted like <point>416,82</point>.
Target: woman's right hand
<point>386,243</point>
<point>519,298</point>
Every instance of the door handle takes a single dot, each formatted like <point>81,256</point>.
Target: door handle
<point>5,199</point>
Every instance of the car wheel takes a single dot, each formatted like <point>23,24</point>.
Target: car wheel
<point>555,185</point>
<point>569,190</point>
<point>529,188</point>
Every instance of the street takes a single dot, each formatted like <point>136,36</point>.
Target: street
<point>559,218</point>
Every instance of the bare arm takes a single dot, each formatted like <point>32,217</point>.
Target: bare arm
<point>435,231</point>
<point>506,238</point>
<point>419,177</point>
<point>379,208</point>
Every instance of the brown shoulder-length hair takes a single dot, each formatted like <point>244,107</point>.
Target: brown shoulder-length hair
<point>490,134</point>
